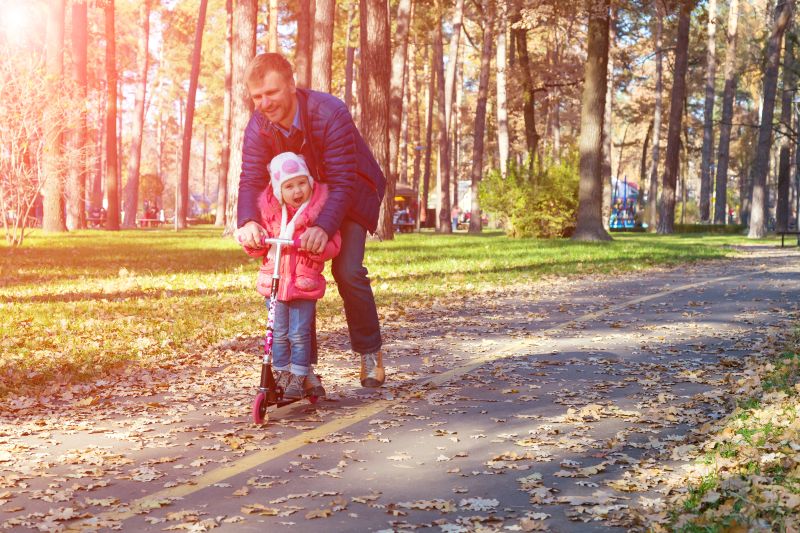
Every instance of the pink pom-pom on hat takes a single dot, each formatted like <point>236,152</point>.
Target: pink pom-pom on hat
<point>284,167</point>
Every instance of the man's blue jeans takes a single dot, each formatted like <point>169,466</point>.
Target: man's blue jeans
<point>351,279</point>
<point>292,335</point>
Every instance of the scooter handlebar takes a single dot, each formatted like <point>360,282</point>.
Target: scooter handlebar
<point>283,242</point>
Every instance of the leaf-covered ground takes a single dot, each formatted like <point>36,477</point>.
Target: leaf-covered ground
<point>582,403</point>
<point>88,304</point>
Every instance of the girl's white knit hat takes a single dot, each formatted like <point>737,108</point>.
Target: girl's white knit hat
<point>285,166</point>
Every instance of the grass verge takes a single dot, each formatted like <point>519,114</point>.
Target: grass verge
<point>748,476</point>
<point>80,305</point>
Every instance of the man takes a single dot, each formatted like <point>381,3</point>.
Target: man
<point>318,126</point>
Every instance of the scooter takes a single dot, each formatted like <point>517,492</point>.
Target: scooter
<point>269,393</point>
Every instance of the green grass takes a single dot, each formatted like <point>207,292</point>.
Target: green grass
<point>78,305</point>
<point>755,464</point>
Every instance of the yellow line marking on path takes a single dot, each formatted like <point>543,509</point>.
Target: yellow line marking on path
<point>510,349</point>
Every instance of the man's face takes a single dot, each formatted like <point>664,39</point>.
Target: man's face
<point>274,96</point>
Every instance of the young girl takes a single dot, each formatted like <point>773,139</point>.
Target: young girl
<point>288,207</point>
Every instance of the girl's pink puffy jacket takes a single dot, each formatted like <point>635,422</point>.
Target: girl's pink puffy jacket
<point>300,271</point>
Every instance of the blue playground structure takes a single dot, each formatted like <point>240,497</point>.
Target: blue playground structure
<point>624,201</point>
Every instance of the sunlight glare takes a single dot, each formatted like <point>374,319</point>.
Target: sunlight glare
<point>17,18</point>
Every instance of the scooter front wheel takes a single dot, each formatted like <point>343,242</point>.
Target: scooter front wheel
<point>260,408</point>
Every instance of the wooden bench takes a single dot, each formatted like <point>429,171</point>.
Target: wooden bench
<point>149,222</point>
<point>784,233</point>
<point>95,222</point>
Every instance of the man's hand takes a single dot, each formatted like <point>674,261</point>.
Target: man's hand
<point>251,235</point>
<point>314,240</point>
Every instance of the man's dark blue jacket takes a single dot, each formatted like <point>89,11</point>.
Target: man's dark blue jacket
<point>336,154</point>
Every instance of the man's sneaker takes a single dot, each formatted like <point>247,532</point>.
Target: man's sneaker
<point>372,372</point>
<point>312,386</point>
<point>294,390</point>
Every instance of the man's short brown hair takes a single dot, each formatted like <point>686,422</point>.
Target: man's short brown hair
<point>260,65</point>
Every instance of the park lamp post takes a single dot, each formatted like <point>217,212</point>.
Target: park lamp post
<point>796,105</point>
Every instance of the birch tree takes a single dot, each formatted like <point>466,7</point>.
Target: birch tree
<point>708,115</point>
<point>76,179</point>
<point>186,152</point>
<point>399,61</point>
<point>53,189</point>
<point>480,115</point>
<point>501,98</point>
<point>131,194</point>
<point>443,185</point>
<point>225,156</point>
<point>112,176</point>
<point>652,191</point>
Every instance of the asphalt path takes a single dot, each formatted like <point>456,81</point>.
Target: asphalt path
<point>564,405</point>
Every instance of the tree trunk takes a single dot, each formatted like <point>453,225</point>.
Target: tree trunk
<point>273,26</point>
<point>432,90</point>
<point>502,99</point>
<point>608,129</point>
<point>652,191</point>
<point>397,82</point>
<point>349,60</point>
<point>186,152</point>
<point>375,71</point>
<point>590,223</point>
<point>529,95</point>
<point>643,166</point>
<point>784,166</point>
<point>402,165</point>
<point>112,179</point>
<point>243,49</point>
<point>305,37</point>
<point>758,211</point>
<point>324,15</point>
<point>453,128</point>
<point>480,116</point>
<point>97,182</point>
<point>225,157</point>
<point>726,121</point>
<point>443,206</point>
<point>53,189</point>
<point>450,80</point>
<point>131,194</point>
<point>415,107</point>
<point>666,220</point>
<point>708,115</point>
<point>76,184</point>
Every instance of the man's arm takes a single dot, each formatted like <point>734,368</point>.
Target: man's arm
<point>338,158</point>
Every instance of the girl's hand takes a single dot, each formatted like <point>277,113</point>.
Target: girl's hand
<point>251,235</point>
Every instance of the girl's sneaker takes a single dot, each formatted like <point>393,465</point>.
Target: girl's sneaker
<point>312,386</point>
<point>294,390</point>
<point>282,378</point>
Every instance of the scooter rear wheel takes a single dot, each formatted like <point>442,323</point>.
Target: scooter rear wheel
<point>260,408</point>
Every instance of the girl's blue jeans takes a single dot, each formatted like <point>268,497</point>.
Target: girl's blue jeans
<point>292,335</point>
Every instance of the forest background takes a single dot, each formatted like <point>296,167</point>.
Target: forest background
<point>138,107</point>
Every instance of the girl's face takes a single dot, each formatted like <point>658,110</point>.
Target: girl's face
<point>295,191</point>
